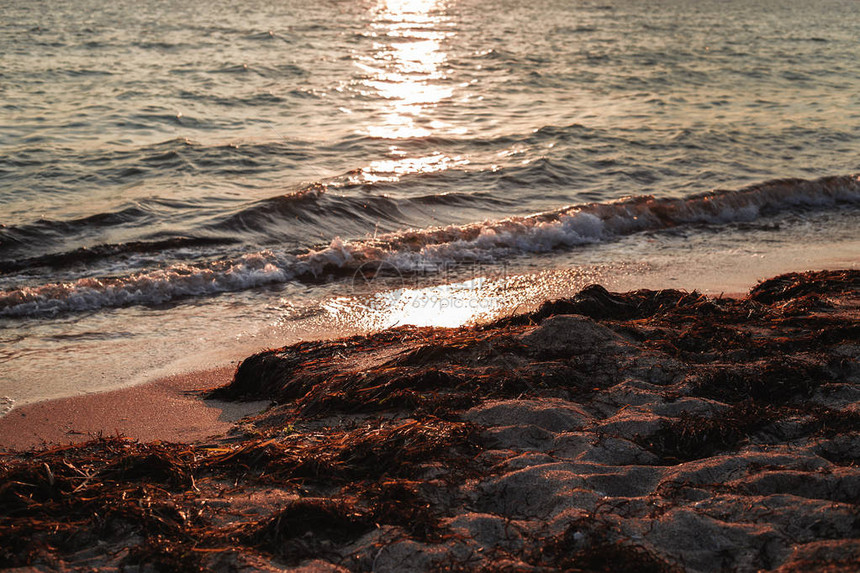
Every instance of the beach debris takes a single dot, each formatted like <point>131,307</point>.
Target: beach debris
<point>644,431</point>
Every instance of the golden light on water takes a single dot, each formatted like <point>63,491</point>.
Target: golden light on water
<point>406,72</point>
<point>458,303</point>
<point>446,305</point>
<point>402,7</point>
<point>394,169</point>
<point>406,66</point>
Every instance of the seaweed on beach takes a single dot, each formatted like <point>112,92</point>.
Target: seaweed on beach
<point>400,502</point>
<point>798,286</point>
<point>591,545</point>
<point>695,437</point>
<point>165,555</point>
<point>63,499</point>
<point>441,373</point>
<point>368,434</point>
<point>46,481</point>
<point>776,381</point>
<point>371,451</point>
<point>306,528</point>
<point>265,373</point>
<point>597,303</point>
<point>409,382</point>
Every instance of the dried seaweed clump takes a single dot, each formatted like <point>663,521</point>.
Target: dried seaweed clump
<point>372,451</point>
<point>308,528</point>
<point>64,499</point>
<point>591,545</point>
<point>801,285</point>
<point>696,437</point>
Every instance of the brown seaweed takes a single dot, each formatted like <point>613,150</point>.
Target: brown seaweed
<point>307,528</point>
<point>384,447</point>
<point>592,545</point>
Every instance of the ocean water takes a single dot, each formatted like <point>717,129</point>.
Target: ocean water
<point>183,183</point>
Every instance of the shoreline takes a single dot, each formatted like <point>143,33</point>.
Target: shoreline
<point>137,412</point>
<point>166,409</point>
<point>646,430</point>
<point>112,364</point>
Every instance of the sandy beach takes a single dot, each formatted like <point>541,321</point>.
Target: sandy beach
<point>641,431</point>
<point>429,285</point>
<point>168,409</point>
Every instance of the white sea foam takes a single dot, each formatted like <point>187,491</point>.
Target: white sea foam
<point>583,224</point>
<point>153,287</point>
<point>412,250</point>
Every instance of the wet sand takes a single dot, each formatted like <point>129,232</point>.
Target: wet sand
<point>169,409</point>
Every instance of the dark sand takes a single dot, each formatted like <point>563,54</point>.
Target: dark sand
<point>644,431</point>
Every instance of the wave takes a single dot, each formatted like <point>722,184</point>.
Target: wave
<point>295,215</point>
<point>310,211</point>
<point>422,249</point>
<point>98,252</point>
<point>591,223</point>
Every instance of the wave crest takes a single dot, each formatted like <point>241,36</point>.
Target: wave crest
<point>416,250</point>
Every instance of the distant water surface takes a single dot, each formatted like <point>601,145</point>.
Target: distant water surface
<point>181,176</point>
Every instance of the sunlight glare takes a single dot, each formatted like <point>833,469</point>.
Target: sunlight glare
<point>407,68</point>
<point>391,170</point>
<point>447,305</point>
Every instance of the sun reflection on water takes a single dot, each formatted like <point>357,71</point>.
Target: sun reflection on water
<point>445,305</point>
<point>406,66</point>
<point>458,303</point>
<point>404,75</point>
<point>393,169</point>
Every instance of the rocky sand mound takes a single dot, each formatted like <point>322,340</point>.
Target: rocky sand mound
<point>645,431</point>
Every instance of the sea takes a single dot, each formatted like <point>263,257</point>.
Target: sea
<point>185,183</point>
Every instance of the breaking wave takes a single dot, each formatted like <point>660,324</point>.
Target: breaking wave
<point>418,250</point>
